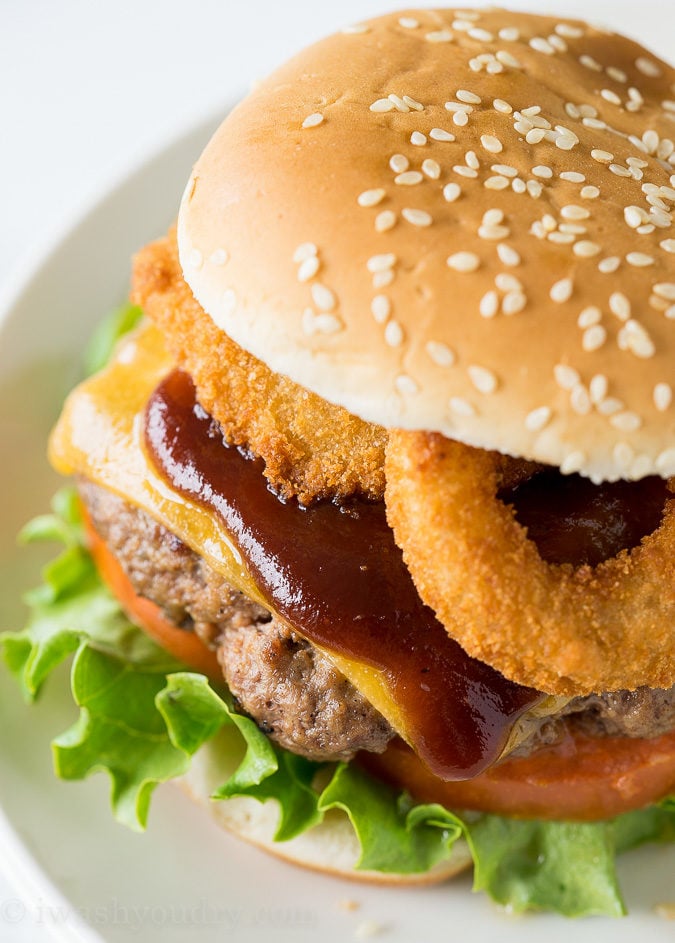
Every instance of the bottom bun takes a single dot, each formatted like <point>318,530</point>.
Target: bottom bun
<point>331,846</point>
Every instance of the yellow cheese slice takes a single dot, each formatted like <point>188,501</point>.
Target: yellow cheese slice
<point>99,435</point>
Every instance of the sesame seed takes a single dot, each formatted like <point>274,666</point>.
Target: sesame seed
<point>417,217</point>
<point>328,324</point>
<point>626,421</point>
<point>535,135</point>
<point>371,197</point>
<point>670,312</point>
<point>471,160</point>
<point>311,121</point>
<point>323,297</point>
<point>195,259</point>
<point>502,106</point>
<point>590,63</point>
<point>561,238</point>
<point>572,462</point>
<point>496,183</point>
<point>569,31</point>
<point>385,221</point>
<point>489,304</point>
<point>565,376</point>
<point>380,307</point>
<point>219,257</point>
<point>494,232</point>
<point>561,291</point>
<point>585,249</point>
<point>541,171</point>
<point>408,22</point>
<point>609,265</point>
<point>619,305</point>
<point>393,334</point>
<point>508,255</point>
<point>304,251</point>
<point>509,34</point>
<point>648,67</point>
<point>409,178</point>
<point>663,396</point>
<point>604,157</point>
<point>593,337</point>
<point>665,462</point>
<point>380,263</point>
<point>440,353</point>
<point>431,168</point>
<point>580,401</point>
<point>665,290</point>
<point>382,105</point>
<point>382,279</point>
<point>508,59</point>
<point>460,118</point>
<point>439,36</point>
<point>609,406</point>
<point>451,191</point>
<point>668,245</point>
<point>356,29</point>
<point>589,316</point>
<point>639,259</point>
<point>610,96</point>
<point>465,171</point>
<point>229,301</point>
<point>620,171</point>
<point>623,454</point>
<point>308,268</point>
<point>539,44</point>
<point>572,211</point>
<point>405,384</point>
<point>513,302</point>
<point>454,107</point>
<point>464,261</point>
<point>507,282</point>
<point>483,379</point>
<point>537,418</point>
<point>589,193</point>
<point>469,98</point>
<point>440,134</point>
<point>619,76</point>
<point>418,139</point>
<point>598,388</point>
<point>462,407</point>
<point>491,143</point>
<point>413,103</point>
<point>481,35</point>
<point>398,103</point>
<point>572,176</point>
<point>399,163</point>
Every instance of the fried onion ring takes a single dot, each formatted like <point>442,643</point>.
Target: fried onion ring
<point>311,448</point>
<point>563,629</point>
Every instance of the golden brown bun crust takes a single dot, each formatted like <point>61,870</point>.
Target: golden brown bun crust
<point>311,448</point>
<point>559,346</point>
<point>331,847</point>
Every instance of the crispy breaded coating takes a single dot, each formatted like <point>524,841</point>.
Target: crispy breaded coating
<point>311,448</point>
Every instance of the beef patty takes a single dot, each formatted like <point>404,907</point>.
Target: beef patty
<point>291,689</point>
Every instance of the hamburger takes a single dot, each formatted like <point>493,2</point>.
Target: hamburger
<point>389,460</point>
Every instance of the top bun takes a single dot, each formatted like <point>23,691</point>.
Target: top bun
<point>458,222</point>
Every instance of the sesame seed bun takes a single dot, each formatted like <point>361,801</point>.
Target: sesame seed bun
<point>331,846</point>
<point>459,223</point>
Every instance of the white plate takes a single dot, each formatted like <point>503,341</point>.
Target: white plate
<point>82,876</point>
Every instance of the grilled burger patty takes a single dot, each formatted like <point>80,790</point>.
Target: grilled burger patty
<point>289,687</point>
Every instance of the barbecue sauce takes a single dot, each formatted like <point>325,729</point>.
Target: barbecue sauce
<point>337,576</point>
<point>572,520</point>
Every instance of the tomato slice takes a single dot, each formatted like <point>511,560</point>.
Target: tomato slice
<point>578,779</point>
<point>184,645</point>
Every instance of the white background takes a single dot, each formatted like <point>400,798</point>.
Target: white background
<point>88,87</point>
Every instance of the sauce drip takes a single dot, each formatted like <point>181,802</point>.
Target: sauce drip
<point>338,577</point>
<point>572,520</point>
